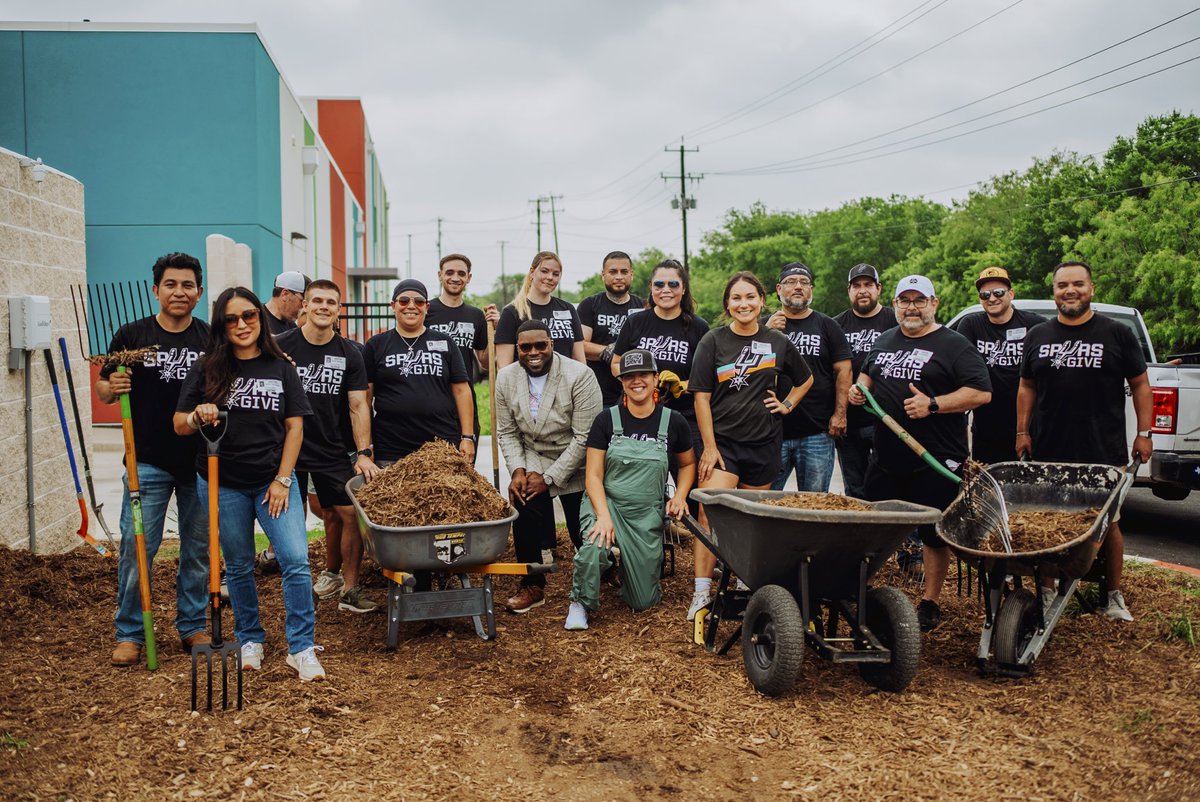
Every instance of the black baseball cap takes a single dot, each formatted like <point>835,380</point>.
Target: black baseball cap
<point>410,285</point>
<point>794,269</point>
<point>639,360</point>
<point>863,269</point>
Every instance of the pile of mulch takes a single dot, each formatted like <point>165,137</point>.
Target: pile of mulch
<point>819,501</point>
<point>630,709</point>
<point>433,485</point>
<point>1034,530</point>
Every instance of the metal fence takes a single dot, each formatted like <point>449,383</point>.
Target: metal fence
<point>361,320</point>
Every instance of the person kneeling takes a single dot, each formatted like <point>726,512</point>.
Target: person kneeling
<point>627,464</point>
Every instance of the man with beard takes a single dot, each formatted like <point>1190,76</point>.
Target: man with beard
<point>927,377</point>
<point>809,432</point>
<point>862,324</point>
<point>545,406</point>
<point>1071,401</point>
<point>603,315</point>
<point>287,301</point>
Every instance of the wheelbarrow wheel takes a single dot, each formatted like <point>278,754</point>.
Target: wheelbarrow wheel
<point>1015,625</point>
<point>772,640</point>
<point>892,619</point>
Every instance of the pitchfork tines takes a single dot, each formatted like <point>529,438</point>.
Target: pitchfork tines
<point>985,503</point>
<point>225,653</point>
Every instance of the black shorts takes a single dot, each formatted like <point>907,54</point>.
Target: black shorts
<point>922,486</point>
<point>329,485</point>
<point>756,463</point>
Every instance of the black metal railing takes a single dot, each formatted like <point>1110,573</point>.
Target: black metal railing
<point>361,320</point>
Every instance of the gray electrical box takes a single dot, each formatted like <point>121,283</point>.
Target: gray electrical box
<point>29,322</point>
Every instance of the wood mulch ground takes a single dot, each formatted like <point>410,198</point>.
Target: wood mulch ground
<point>630,709</point>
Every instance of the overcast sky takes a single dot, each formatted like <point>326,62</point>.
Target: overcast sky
<point>478,107</point>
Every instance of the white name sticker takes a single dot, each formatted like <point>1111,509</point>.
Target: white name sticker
<point>633,312</point>
<point>562,314</point>
<point>1015,334</point>
<point>438,345</point>
<point>335,362</point>
<point>760,348</point>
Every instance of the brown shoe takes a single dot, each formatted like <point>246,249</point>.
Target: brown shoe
<point>198,639</point>
<point>527,598</point>
<point>127,654</point>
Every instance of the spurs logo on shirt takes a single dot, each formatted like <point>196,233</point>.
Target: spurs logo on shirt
<point>613,323</point>
<point>905,364</point>
<point>1073,354</point>
<point>806,344</point>
<point>323,379</point>
<point>752,359</point>
<point>461,332</point>
<point>666,347</point>
<point>254,394</point>
<point>416,363</point>
<point>560,325</point>
<point>173,363</point>
<point>861,342</point>
<point>1001,354</point>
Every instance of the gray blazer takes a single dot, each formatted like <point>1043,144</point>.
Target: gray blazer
<point>554,444</point>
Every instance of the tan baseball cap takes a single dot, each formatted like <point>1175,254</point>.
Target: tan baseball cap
<point>993,274</point>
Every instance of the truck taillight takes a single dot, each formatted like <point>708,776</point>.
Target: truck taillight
<point>1166,405</point>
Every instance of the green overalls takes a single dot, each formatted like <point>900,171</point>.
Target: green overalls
<point>635,476</point>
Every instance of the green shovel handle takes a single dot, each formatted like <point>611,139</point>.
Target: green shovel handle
<point>873,407</point>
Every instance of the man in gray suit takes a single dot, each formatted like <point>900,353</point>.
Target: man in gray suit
<point>545,407</point>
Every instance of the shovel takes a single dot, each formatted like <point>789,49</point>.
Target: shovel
<point>225,651</point>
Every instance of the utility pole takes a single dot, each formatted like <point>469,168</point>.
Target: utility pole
<point>554,220</point>
<point>537,202</point>
<point>408,264</point>
<point>503,283</point>
<point>683,202</point>
<point>439,243</point>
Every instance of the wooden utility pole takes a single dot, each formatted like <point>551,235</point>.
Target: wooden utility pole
<point>683,202</point>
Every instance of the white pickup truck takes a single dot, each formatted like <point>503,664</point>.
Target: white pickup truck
<point>1174,469</point>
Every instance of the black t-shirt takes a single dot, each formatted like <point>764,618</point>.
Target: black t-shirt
<point>328,373</point>
<point>1002,347</point>
<point>606,320</point>
<point>466,327</point>
<point>938,363</point>
<point>1080,371</point>
<point>156,384</point>
<point>738,371</point>
<point>861,334</point>
<point>559,315</point>
<point>673,344</point>
<point>821,342</point>
<point>414,402</point>
<point>265,392</point>
<point>679,434</point>
<point>278,325</point>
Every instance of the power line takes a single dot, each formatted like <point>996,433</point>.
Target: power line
<point>683,202</point>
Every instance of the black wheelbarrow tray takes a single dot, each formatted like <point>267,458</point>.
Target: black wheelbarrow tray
<point>1016,628</point>
<point>458,550</point>
<point>806,570</point>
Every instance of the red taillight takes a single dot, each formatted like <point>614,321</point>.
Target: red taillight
<point>1166,404</point>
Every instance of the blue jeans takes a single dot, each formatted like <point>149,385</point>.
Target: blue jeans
<point>238,510</point>
<point>191,582</point>
<point>812,458</point>
<point>854,450</point>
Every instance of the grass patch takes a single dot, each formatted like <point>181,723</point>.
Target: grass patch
<point>1137,720</point>
<point>169,550</point>
<point>1180,628</point>
<point>483,402</point>
<point>10,741</point>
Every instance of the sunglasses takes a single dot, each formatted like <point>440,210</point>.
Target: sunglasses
<point>999,292</point>
<point>672,283</point>
<point>406,300</point>
<point>248,316</point>
<point>526,348</point>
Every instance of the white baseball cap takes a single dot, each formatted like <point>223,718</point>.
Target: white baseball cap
<point>916,284</point>
<point>291,280</point>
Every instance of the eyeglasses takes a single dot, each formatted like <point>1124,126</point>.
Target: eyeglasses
<point>405,300</point>
<point>672,283</point>
<point>248,316</point>
<point>915,303</point>
<point>796,282</point>
<point>999,292</point>
<point>525,348</point>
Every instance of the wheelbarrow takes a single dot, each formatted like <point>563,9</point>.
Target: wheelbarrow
<point>450,550</point>
<point>1016,627</point>
<point>807,571</point>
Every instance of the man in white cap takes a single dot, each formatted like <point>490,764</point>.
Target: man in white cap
<point>287,299</point>
<point>927,377</point>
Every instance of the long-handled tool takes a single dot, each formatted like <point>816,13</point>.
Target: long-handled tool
<point>139,537</point>
<point>224,650</point>
<point>492,403</point>
<point>62,420</point>
<point>986,499</point>
<point>97,508</point>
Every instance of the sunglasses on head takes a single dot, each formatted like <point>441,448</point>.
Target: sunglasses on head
<point>415,300</point>
<point>542,345</point>
<point>998,292</point>
<point>673,283</point>
<point>248,316</point>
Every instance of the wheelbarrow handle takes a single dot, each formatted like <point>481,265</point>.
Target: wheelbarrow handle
<point>910,441</point>
<point>219,432</point>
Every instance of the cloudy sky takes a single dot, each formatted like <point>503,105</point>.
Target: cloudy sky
<point>478,107</point>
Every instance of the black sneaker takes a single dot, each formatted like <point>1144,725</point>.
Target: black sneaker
<point>929,615</point>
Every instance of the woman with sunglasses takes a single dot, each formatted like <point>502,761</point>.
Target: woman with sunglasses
<point>535,301</point>
<point>418,382</point>
<point>244,373</point>
<point>734,379</point>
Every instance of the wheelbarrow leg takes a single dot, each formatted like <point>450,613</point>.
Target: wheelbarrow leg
<point>489,606</point>
<point>393,613</point>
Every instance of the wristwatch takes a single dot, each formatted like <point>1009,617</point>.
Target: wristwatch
<point>368,452</point>
<point>786,403</point>
<point>1144,434</point>
<point>286,481</point>
<point>470,437</point>
<point>933,405</point>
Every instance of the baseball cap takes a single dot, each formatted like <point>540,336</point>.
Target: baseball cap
<point>993,274</point>
<point>917,284</point>
<point>639,360</point>
<point>863,269</point>
<point>410,285</point>
<point>290,280</point>
<point>794,269</point>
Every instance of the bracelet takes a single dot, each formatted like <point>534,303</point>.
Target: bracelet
<point>191,420</point>
<point>1022,434</point>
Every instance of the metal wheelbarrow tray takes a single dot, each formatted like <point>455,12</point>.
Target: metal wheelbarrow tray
<point>451,549</point>
<point>808,569</point>
<point>1016,628</point>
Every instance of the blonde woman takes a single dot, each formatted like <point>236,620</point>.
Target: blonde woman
<point>535,301</point>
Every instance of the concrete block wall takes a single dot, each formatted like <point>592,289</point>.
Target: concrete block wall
<point>42,252</point>
<point>227,264</point>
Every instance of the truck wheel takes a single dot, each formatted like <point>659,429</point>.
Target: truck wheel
<point>772,640</point>
<point>1170,492</point>
<point>891,617</point>
<point>1015,625</point>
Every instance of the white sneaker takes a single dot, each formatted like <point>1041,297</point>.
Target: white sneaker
<point>1116,609</point>
<point>699,602</point>
<point>576,617</point>
<point>306,664</point>
<point>252,654</point>
<point>328,585</point>
<point>547,557</point>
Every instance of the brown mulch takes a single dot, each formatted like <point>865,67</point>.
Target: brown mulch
<point>630,709</point>
<point>1034,530</point>
<point>433,485</point>
<point>133,356</point>
<point>818,501</point>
